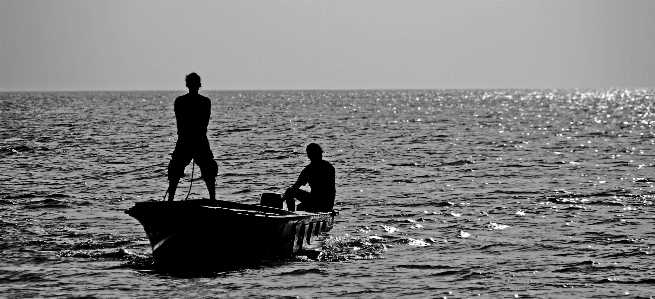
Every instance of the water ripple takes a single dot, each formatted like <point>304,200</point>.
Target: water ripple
<point>501,193</point>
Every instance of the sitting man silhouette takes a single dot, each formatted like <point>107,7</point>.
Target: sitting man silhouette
<point>192,112</point>
<point>320,176</point>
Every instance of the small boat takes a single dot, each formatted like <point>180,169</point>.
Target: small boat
<point>223,233</point>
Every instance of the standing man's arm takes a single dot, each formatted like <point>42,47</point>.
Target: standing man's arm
<point>179,118</point>
<point>333,179</point>
<point>176,109</point>
<point>206,113</point>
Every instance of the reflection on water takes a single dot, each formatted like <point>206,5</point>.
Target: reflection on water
<point>452,193</point>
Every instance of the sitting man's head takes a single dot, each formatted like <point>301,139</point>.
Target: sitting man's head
<point>192,81</point>
<point>314,152</point>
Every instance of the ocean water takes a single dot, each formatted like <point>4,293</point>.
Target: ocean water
<point>442,193</point>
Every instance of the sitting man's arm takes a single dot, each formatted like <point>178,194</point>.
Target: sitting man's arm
<point>301,181</point>
<point>291,193</point>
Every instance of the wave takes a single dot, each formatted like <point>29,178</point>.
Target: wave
<point>407,164</point>
<point>22,276</point>
<point>346,247</point>
<point>118,254</point>
<point>457,163</point>
<point>649,281</point>
<point>46,204</point>
<point>610,197</point>
<point>299,272</point>
<point>423,267</point>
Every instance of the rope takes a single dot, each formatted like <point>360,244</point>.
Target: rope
<point>191,185</point>
<point>192,169</point>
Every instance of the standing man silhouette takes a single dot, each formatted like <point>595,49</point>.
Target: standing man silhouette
<point>192,112</point>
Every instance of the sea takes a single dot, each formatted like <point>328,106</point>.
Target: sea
<point>441,193</point>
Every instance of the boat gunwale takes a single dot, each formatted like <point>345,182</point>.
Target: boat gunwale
<point>237,208</point>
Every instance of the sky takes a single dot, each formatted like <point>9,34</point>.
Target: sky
<point>99,45</point>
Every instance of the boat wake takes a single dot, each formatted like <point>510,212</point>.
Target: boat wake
<point>334,249</point>
<point>347,247</point>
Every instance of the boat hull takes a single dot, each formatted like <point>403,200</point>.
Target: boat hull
<point>214,232</point>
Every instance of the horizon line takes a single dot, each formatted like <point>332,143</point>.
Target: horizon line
<point>327,89</point>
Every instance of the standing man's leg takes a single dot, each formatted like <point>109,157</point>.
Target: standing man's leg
<point>172,186</point>
<point>209,170</point>
<point>179,161</point>
<point>211,186</point>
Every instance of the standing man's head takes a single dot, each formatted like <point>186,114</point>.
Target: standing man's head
<point>314,152</point>
<point>193,82</point>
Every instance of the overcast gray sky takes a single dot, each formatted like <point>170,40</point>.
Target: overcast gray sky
<point>329,44</point>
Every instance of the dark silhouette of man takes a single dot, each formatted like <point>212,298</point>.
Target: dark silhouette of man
<point>320,176</point>
<point>192,112</point>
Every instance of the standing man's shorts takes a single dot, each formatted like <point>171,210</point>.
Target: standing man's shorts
<point>200,153</point>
